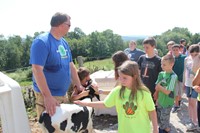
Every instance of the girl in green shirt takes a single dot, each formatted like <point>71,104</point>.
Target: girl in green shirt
<point>133,102</point>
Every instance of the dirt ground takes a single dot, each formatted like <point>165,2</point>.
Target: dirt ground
<point>108,123</point>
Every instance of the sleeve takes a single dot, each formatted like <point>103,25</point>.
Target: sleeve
<point>39,53</point>
<point>126,51</point>
<point>150,106</point>
<point>159,66</point>
<point>159,78</point>
<point>172,83</point>
<point>110,100</point>
<point>139,61</point>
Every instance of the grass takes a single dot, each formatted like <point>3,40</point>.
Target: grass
<point>96,65</point>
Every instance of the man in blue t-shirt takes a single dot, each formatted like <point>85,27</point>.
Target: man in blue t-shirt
<point>132,52</point>
<point>52,66</point>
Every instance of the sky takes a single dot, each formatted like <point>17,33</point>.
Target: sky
<point>123,17</point>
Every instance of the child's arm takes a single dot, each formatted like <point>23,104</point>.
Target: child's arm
<point>196,80</point>
<point>162,89</point>
<point>197,88</point>
<point>105,92</point>
<point>184,71</point>
<point>153,118</point>
<point>98,104</point>
<point>77,96</point>
<point>196,63</point>
<point>155,95</point>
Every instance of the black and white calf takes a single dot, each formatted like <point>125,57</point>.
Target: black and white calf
<point>70,118</point>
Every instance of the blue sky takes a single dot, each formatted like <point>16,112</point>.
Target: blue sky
<point>124,17</point>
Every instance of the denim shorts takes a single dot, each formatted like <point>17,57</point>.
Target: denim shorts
<point>190,92</point>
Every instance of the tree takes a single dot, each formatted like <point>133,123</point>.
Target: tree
<point>26,44</point>
<point>195,38</point>
<point>3,43</point>
<point>76,34</point>
<point>13,52</point>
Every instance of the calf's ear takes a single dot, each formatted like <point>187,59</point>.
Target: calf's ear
<point>41,119</point>
<point>97,96</point>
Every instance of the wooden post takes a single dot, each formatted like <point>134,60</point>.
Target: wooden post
<point>80,61</point>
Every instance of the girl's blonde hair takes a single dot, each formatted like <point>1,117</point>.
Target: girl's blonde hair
<point>131,68</point>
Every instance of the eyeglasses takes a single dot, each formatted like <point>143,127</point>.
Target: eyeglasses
<point>67,24</point>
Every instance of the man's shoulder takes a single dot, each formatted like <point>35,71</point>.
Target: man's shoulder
<point>42,37</point>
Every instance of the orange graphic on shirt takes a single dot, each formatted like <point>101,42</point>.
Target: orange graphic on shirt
<point>145,71</point>
<point>130,108</point>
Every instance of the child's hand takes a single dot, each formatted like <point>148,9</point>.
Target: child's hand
<point>158,87</point>
<point>155,130</point>
<point>197,88</point>
<point>85,93</point>
<point>155,95</point>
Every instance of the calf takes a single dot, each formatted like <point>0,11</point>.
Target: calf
<point>70,118</point>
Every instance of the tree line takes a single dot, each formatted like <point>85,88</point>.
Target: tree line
<point>15,51</point>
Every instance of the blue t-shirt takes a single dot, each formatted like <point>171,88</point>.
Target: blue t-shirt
<point>133,55</point>
<point>55,56</point>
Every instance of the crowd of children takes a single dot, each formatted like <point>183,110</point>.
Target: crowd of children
<point>151,88</point>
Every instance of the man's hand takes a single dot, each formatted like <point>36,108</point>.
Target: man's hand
<point>50,105</point>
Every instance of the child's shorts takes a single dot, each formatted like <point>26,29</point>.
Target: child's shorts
<point>191,93</point>
<point>179,89</point>
<point>163,115</point>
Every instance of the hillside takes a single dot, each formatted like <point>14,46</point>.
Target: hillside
<point>136,37</point>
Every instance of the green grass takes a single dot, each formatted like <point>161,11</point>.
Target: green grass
<point>96,65</point>
<point>25,83</point>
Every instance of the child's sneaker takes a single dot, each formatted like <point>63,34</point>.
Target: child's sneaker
<point>175,109</point>
<point>191,127</point>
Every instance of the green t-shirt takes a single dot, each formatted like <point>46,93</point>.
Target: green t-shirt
<point>132,115</point>
<point>168,81</point>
